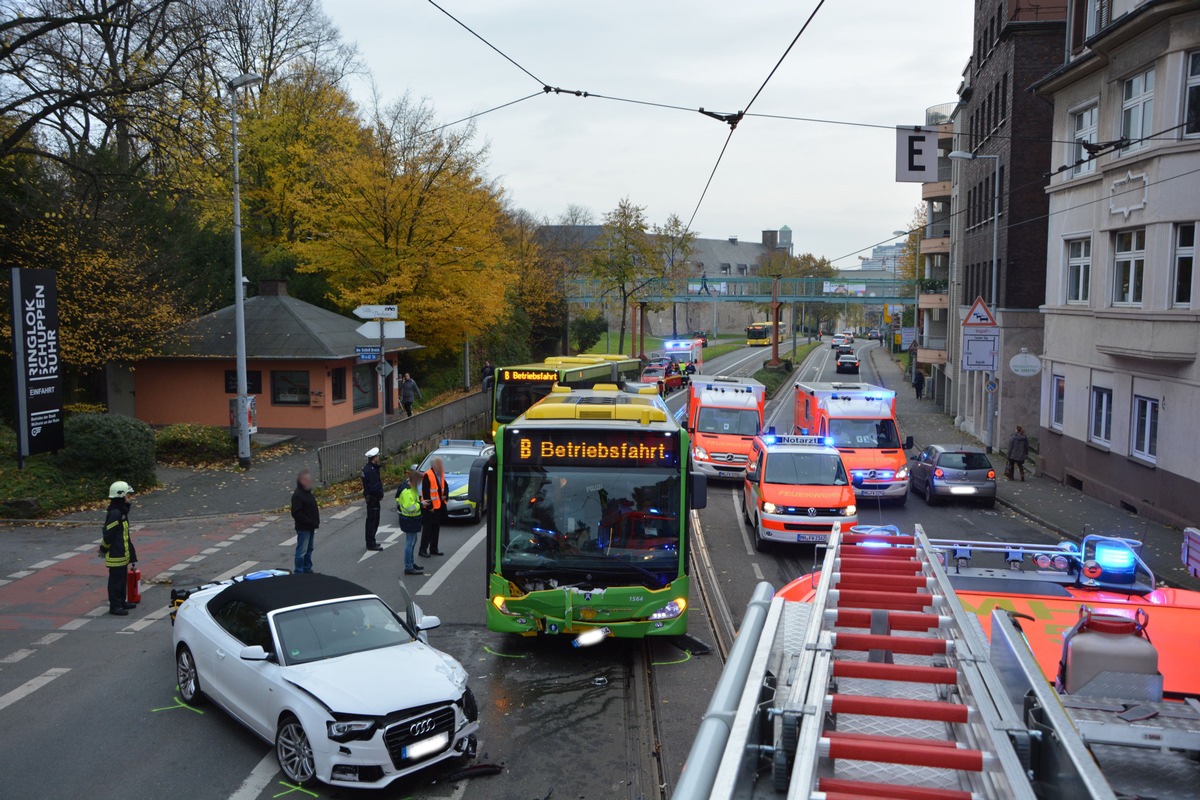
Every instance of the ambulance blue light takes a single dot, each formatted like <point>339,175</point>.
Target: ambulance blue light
<point>1115,557</point>
<point>768,439</point>
<point>829,441</point>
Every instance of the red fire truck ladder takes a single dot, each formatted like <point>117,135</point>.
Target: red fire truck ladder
<point>880,687</point>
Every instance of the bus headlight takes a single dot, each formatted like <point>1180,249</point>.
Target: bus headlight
<point>769,507</point>
<point>850,510</point>
<point>501,605</point>
<point>902,473</point>
<point>701,452</point>
<point>671,610</point>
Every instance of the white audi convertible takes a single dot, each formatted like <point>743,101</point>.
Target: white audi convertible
<point>346,689</point>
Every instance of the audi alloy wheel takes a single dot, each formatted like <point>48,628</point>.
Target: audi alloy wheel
<point>186,676</point>
<point>294,752</point>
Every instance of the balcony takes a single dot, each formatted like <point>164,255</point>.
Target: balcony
<point>936,245</point>
<point>930,355</point>
<point>936,190</point>
<point>933,300</point>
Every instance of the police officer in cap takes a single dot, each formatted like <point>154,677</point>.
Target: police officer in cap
<point>117,549</point>
<point>372,485</point>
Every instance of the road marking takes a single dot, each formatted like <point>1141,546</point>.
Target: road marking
<point>178,568</point>
<point>98,611</point>
<point>237,537</point>
<point>83,548</point>
<point>238,570</point>
<point>31,686</point>
<point>345,512</point>
<point>260,524</point>
<point>22,574</point>
<point>74,624</point>
<point>195,559</point>
<point>271,517</point>
<point>48,639</point>
<point>246,531</point>
<point>223,544</point>
<point>64,556</point>
<point>259,778</point>
<point>289,542</point>
<point>4,581</point>
<point>42,564</point>
<point>758,573</point>
<point>13,658</point>
<point>393,537</point>
<point>148,620</point>
<point>737,514</point>
<point>209,551</point>
<point>439,577</point>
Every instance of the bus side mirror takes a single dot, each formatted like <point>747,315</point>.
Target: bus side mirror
<point>699,489</point>
<point>477,480</point>
<point>908,443</point>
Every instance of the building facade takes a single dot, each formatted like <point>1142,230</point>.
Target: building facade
<point>1016,43</point>
<point>933,260</point>
<point>1120,393</point>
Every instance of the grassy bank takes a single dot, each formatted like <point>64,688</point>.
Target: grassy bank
<point>43,486</point>
<point>774,379</point>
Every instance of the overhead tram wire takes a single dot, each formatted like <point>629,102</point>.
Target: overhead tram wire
<point>779,63</point>
<point>498,51</point>
<point>708,182</point>
<point>480,113</point>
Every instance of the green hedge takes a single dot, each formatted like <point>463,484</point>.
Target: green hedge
<point>107,448</point>
<point>195,444</point>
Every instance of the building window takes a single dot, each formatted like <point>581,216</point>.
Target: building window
<point>1101,430</point>
<point>1004,97</point>
<point>1191,112</point>
<point>1058,401</point>
<point>1129,267</point>
<point>289,387</point>
<point>1079,270</point>
<point>365,388</point>
<point>1097,16</point>
<point>1084,124</point>
<point>1137,109</point>
<point>1145,428</point>
<point>338,384</point>
<point>1185,260</point>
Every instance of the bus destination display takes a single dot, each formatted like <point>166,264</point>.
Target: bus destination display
<point>591,448</point>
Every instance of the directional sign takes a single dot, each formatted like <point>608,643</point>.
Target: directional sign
<point>980,349</point>
<point>980,316</point>
<point>368,352</point>
<point>377,312</point>
<point>391,330</point>
<point>916,154</point>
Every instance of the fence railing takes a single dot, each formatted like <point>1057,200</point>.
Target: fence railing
<point>466,416</point>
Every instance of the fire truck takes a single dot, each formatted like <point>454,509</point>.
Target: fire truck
<point>873,678</point>
<point>860,420</point>
<point>723,414</point>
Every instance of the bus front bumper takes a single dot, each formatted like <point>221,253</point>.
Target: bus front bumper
<point>624,612</point>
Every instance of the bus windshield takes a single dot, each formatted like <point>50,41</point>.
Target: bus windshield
<point>590,525</point>
<point>877,434</point>
<point>805,469</point>
<point>514,399</point>
<point>737,421</point>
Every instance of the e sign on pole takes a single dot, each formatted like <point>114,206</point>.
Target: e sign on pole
<point>33,303</point>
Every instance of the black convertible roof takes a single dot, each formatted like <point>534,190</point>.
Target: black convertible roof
<point>285,591</point>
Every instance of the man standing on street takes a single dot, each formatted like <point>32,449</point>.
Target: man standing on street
<point>409,392</point>
<point>919,383</point>
<point>117,548</point>
<point>433,507</point>
<point>373,492</point>
<point>408,503</point>
<point>1018,451</point>
<point>307,517</point>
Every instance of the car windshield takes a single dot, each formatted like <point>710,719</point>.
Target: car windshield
<point>964,461</point>
<point>738,421</point>
<point>595,525</point>
<point>338,629</point>
<point>654,372</point>
<point>847,357</point>
<point>865,433</point>
<point>514,399</point>
<point>458,463</point>
<point>805,469</point>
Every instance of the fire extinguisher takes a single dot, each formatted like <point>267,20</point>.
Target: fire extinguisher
<point>133,587</point>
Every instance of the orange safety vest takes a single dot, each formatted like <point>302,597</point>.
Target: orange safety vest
<point>435,489</point>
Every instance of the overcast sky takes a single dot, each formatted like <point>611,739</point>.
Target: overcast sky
<point>877,61</point>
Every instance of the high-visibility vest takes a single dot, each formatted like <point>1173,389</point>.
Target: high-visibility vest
<point>435,489</point>
<point>409,502</point>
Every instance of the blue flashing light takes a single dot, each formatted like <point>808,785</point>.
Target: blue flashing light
<point>768,439</point>
<point>1113,557</point>
<point>874,544</point>
<point>829,441</point>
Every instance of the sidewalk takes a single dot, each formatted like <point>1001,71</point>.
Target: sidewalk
<point>1067,512</point>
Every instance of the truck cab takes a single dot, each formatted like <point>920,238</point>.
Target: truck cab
<point>724,414</point>
<point>859,419</point>
<point>795,490</point>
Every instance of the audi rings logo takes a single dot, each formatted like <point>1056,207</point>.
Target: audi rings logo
<point>421,727</point>
<point>729,456</point>
<point>812,512</point>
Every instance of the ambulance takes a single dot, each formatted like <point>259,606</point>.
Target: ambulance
<point>723,414</point>
<point>796,489</point>
<point>684,352</point>
<point>860,421</point>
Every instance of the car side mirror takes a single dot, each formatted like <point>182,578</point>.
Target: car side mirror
<point>254,652</point>
<point>428,622</point>
<point>699,489</point>
<point>908,443</point>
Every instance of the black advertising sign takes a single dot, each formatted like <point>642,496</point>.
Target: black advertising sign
<point>34,305</point>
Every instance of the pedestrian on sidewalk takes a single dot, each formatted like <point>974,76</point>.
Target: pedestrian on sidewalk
<point>307,517</point>
<point>408,503</point>
<point>373,492</point>
<point>487,375</point>
<point>1018,451</point>
<point>919,383</point>
<point>433,508</point>
<point>409,392</point>
<point>117,548</point>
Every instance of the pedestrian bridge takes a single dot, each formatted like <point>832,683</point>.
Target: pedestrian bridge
<point>754,289</point>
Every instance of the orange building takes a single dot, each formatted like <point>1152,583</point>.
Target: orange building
<point>302,368</point>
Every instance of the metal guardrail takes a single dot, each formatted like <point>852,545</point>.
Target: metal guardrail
<point>342,461</point>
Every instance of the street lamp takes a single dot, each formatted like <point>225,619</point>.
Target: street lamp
<point>243,81</point>
<point>963,155</point>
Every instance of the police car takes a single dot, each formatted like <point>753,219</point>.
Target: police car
<point>457,456</point>
<point>796,488</point>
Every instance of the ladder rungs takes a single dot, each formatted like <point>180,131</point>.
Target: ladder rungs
<point>869,705</point>
<point>839,788</point>
<point>895,750</point>
<point>864,579</point>
<point>897,620</point>
<point>894,672</point>
<point>881,564</point>
<point>890,538</point>
<point>909,645</point>
<point>891,601</point>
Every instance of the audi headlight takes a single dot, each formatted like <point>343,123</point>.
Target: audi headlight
<point>671,610</point>
<point>701,452</point>
<point>850,510</point>
<point>902,473</point>
<point>347,730</point>
<point>769,508</point>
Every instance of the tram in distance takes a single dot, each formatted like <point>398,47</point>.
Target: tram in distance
<point>587,532</point>
<point>514,389</point>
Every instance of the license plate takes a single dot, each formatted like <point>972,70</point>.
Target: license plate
<point>811,537</point>
<point>872,492</point>
<point>426,747</point>
<point>962,490</point>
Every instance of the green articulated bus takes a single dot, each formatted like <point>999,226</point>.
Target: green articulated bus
<point>515,389</point>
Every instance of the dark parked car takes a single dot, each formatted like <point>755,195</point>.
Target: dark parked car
<point>847,363</point>
<point>953,471</point>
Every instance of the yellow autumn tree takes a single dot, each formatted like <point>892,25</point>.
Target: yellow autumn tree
<point>409,218</point>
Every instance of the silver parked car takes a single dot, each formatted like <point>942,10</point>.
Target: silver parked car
<point>953,471</point>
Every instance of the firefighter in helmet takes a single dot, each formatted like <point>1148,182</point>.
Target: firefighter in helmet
<point>117,548</point>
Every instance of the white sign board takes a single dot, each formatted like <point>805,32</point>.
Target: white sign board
<point>1025,364</point>
<point>916,155</point>
<point>377,312</point>
<point>391,330</point>
<point>907,337</point>
<point>980,349</point>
